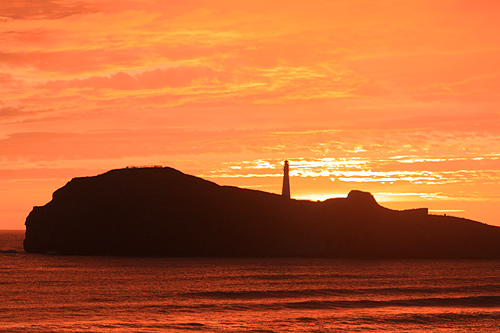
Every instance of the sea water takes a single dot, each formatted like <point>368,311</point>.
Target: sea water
<point>48,293</point>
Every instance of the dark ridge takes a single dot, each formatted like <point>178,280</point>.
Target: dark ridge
<point>164,212</point>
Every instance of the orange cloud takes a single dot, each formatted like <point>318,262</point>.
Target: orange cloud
<point>399,95</point>
<point>36,10</point>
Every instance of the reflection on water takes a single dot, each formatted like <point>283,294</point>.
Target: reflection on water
<point>69,293</point>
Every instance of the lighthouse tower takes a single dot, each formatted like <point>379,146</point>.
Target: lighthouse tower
<point>285,191</point>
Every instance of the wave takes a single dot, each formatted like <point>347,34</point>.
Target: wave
<point>8,251</point>
<point>322,292</point>
<point>429,319</point>
<point>468,302</point>
<point>310,276</point>
<point>472,302</point>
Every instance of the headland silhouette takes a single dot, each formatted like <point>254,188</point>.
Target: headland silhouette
<point>160,211</point>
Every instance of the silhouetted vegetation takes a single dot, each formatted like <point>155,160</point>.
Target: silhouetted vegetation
<point>163,212</point>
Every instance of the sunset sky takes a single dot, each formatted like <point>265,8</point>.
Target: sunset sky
<point>399,98</point>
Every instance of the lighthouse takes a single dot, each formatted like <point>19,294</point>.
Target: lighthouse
<point>285,191</point>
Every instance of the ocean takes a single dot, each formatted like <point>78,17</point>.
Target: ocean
<point>51,293</point>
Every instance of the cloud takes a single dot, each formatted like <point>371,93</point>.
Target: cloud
<point>457,76</point>
<point>156,79</point>
<point>42,9</point>
<point>7,112</point>
<point>8,80</point>
<point>68,63</point>
<point>470,90</point>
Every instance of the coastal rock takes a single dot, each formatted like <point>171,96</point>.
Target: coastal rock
<point>164,212</point>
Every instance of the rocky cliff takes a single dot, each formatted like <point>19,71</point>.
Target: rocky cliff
<point>163,212</point>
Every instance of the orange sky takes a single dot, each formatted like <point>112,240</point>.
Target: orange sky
<point>399,98</point>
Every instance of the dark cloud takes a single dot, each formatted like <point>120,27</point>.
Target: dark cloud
<point>23,114</point>
<point>41,9</point>
<point>7,112</point>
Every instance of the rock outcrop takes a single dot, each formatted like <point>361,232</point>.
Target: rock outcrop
<point>163,212</point>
